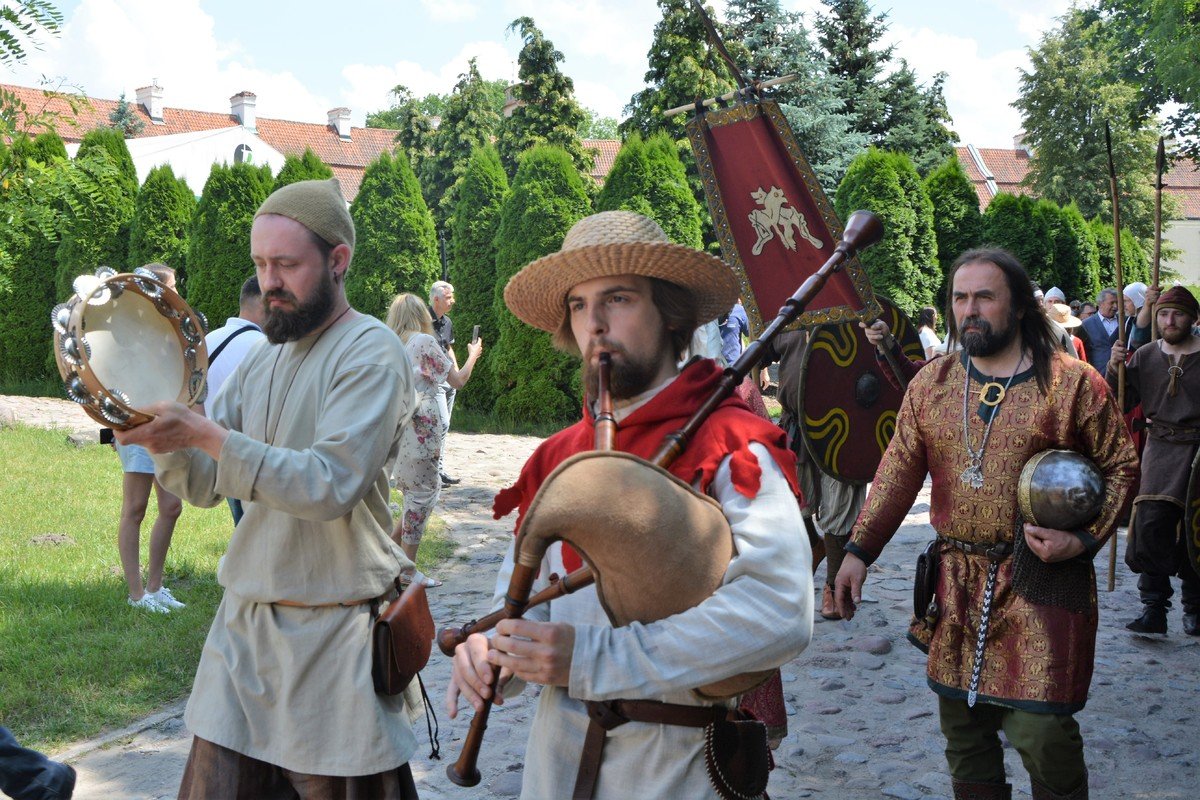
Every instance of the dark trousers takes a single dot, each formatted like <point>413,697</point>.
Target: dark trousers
<point>1156,551</point>
<point>214,771</point>
<point>1049,744</point>
<point>28,775</point>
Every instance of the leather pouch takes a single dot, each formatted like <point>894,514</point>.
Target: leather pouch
<point>925,607</point>
<point>738,758</point>
<point>401,640</point>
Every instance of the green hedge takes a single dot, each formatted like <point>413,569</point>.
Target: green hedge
<point>162,219</point>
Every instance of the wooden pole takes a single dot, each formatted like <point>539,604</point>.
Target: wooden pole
<point>786,79</point>
<point>1160,163</point>
<point>1116,213</point>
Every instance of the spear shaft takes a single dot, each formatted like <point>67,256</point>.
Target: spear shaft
<point>1160,163</point>
<point>1116,214</point>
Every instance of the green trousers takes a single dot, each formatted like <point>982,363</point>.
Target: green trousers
<point>1049,744</point>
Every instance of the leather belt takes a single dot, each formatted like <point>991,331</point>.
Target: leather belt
<point>604,716</point>
<point>996,551</point>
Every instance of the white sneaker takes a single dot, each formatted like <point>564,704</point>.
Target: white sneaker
<point>149,603</point>
<point>164,598</point>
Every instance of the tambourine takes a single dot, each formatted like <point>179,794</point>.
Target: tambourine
<point>125,341</point>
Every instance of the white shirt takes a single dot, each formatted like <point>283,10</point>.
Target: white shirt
<point>229,358</point>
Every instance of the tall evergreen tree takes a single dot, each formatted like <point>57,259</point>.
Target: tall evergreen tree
<point>469,122</point>
<point>901,266</point>
<point>308,167</point>
<point>916,119</point>
<point>218,258</point>
<point>1135,264</point>
<point>776,44</point>
<point>649,178</point>
<point>473,229</point>
<point>1076,257</point>
<point>1013,222</point>
<point>850,36</point>
<point>533,380</point>
<point>956,219</point>
<point>412,119</point>
<point>546,112</point>
<point>628,182</point>
<point>162,219</point>
<point>396,249</point>
<point>97,234</point>
<point>124,118</point>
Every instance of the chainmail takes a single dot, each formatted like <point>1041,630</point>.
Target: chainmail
<point>1064,584</point>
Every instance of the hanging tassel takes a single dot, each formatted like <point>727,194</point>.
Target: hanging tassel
<point>436,748</point>
<point>1175,371</point>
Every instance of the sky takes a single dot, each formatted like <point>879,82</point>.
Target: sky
<point>302,58</point>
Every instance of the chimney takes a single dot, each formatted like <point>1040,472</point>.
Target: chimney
<point>339,120</point>
<point>510,100</point>
<point>242,106</point>
<point>1020,146</point>
<point>150,98</point>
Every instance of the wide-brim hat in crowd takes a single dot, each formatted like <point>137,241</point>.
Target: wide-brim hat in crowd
<point>1061,313</point>
<point>617,243</point>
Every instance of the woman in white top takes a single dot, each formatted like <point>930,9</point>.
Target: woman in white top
<point>927,331</point>
<point>416,469</point>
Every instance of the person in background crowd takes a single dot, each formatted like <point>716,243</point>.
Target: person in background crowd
<point>441,300</point>
<point>927,330</point>
<point>1060,315</point>
<point>1134,299</point>
<point>1085,310</point>
<point>228,346</point>
<point>28,775</point>
<point>1055,295</point>
<point>734,326</point>
<point>416,471</point>
<point>139,478</point>
<point>1100,331</point>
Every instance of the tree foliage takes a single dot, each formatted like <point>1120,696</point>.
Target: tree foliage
<point>21,23</point>
<point>396,249</point>
<point>902,266</point>
<point>1015,223</point>
<point>532,379</point>
<point>218,256</point>
<point>957,221</point>
<point>307,167</point>
<point>473,227</point>
<point>649,178</point>
<point>96,232</point>
<point>124,118</point>
<point>1135,263</point>
<point>162,219</point>
<point>547,111</point>
<point>1076,256</point>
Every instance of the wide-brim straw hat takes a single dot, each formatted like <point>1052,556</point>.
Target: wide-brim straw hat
<point>1061,313</point>
<point>617,243</point>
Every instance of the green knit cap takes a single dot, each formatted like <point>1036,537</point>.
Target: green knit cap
<point>317,205</point>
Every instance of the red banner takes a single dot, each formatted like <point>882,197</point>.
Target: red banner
<point>774,223</point>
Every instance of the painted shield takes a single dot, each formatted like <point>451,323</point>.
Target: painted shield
<point>848,406</point>
<point>1191,516</point>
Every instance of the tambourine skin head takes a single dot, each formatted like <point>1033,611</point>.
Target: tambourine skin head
<point>1060,489</point>
<point>120,347</point>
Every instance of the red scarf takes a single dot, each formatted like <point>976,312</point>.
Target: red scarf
<point>727,432</point>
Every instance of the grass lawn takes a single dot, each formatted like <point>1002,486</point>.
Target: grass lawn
<point>74,658</point>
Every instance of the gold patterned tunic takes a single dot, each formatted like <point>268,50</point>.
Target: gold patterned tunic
<point>1037,658</point>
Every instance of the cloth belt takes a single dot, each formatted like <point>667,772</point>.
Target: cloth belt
<point>1184,435</point>
<point>997,551</point>
<point>611,714</point>
<point>346,604</point>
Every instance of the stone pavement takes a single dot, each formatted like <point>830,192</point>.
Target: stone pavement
<point>862,722</point>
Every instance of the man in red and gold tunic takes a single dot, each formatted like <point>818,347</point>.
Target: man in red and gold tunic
<point>972,420</point>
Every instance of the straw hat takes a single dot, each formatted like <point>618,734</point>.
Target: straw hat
<point>1061,313</point>
<point>617,243</point>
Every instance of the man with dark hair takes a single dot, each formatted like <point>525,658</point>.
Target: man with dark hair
<point>304,433</point>
<point>1100,330</point>
<point>621,287</point>
<point>1010,642</point>
<point>1163,376</point>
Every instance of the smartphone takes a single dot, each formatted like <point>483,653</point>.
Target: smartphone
<point>106,436</point>
<point>474,334</point>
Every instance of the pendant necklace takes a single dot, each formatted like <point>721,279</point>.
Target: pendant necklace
<point>1174,370</point>
<point>270,439</point>
<point>972,476</point>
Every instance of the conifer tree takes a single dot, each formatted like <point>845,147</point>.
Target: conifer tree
<point>218,259</point>
<point>162,219</point>
<point>849,35</point>
<point>648,178</point>
<point>957,221</point>
<point>533,380</point>
<point>1135,264</point>
<point>308,167</point>
<point>96,233</point>
<point>125,119</point>
<point>1014,223</point>
<point>547,112</point>
<point>473,244</point>
<point>396,249</point>
<point>1076,257</point>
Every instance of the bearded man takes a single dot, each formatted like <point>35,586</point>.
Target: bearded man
<point>1165,378</point>
<point>304,434</point>
<point>1011,644</point>
<point>618,286</point>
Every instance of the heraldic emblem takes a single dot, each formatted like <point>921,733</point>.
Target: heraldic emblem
<point>777,216</point>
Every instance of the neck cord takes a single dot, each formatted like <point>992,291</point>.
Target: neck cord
<point>271,381</point>
<point>972,476</point>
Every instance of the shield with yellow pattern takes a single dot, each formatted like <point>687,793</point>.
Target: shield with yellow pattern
<point>1191,515</point>
<point>847,405</point>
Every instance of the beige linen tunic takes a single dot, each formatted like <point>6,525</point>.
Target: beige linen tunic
<point>314,427</point>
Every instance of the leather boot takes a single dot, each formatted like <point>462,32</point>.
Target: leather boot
<point>1152,620</point>
<point>1042,793</point>
<point>828,607</point>
<point>1155,591</point>
<point>971,790</point>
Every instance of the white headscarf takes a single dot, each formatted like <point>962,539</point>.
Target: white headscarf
<point>1137,293</point>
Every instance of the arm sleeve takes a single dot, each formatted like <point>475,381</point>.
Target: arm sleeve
<point>759,618</point>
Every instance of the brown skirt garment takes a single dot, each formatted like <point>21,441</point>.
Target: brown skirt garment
<point>214,771</point>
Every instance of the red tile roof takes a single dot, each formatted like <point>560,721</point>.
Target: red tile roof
<point>605,153</point>
<point>1009,168</point>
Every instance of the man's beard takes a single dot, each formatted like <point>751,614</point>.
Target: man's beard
<point>1176,334</point>
<point>287,326</point>
<point>985,341</point>
<point>628,377</point>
